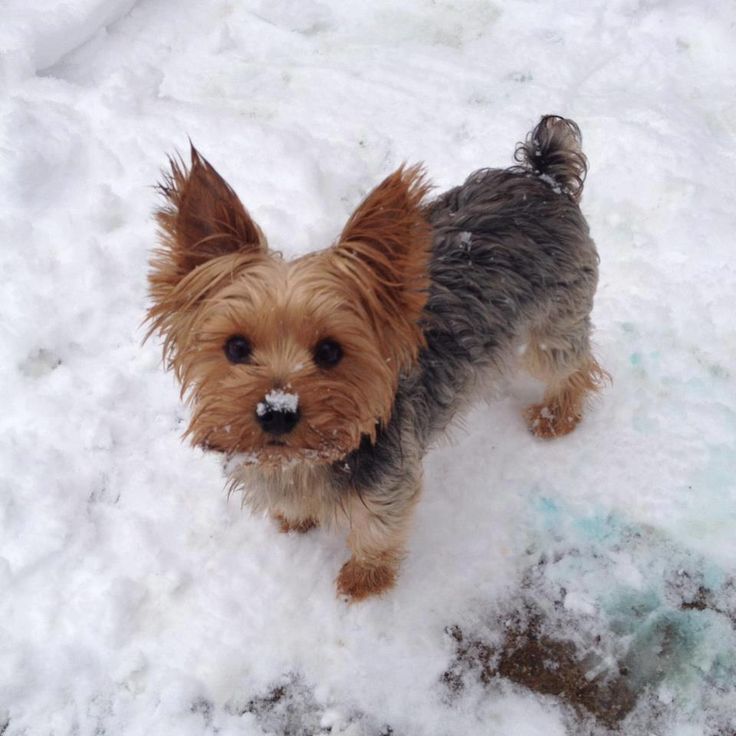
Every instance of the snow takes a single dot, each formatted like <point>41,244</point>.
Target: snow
<point>551,182</point>
<point>278,400</point>
<point>138,598</point>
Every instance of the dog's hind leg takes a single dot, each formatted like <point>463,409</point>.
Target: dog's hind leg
<point>559,354</point>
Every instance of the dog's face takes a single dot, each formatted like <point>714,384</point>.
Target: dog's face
<point>287,360</point>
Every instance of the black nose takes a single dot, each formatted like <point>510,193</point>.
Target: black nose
<point>277,421</point>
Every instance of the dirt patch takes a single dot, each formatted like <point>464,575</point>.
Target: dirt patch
<point>289,708</point>
<point>545,665</point>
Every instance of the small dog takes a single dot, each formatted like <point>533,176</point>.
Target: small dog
<point>325,379</point>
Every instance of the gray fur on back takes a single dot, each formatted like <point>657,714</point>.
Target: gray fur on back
<point>511,255</point>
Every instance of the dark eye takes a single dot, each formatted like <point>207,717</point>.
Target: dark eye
<point>327,354</point>
<point>237,349</point>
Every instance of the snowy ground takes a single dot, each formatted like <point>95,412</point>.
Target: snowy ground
<point>551,589</point>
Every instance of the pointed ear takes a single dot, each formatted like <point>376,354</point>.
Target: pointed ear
<point>201,218</point>
<point>201,221</point>
<point>385,246</point>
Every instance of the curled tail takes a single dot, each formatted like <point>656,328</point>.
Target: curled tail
<point>553,152</point>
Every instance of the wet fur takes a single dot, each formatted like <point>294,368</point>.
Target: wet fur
<point>434,300</point>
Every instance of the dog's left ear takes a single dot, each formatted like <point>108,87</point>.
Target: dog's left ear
<point>385,248</point>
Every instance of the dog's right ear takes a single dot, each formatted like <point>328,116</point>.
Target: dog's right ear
<point>201,218</point>
<point>206,236</point>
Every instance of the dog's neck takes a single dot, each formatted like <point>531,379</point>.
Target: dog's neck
<point>296,489</point>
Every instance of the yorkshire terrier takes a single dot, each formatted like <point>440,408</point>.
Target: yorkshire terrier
<point>325,379</point>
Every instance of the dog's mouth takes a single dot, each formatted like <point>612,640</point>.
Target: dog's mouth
<point>278,453</point>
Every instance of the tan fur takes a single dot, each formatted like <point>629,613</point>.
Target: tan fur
<point>385,247</point>
<point>300,526</point>
<point>213,278</point>
<point>203,218</point>
<point>359,580</point>
<point>295,489</point>
<point>377,540</point>
<point>201,221</point>
<point>561,408</point>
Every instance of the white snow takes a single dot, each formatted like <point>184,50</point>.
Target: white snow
<point>136,598</point>
<point>278,400</point>
<point>551,181</point>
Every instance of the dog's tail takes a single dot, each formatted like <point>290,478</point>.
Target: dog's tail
<point>553,152</point>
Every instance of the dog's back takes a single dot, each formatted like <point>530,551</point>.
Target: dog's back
<point>512,265</point>
<point>512,262</point>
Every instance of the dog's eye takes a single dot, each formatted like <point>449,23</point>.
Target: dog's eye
<point>237,349</point>
<point>327,354</point>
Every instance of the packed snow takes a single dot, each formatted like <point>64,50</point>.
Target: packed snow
<point>551,588</point>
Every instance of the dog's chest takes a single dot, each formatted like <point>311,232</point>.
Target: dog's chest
<point>299,490</point>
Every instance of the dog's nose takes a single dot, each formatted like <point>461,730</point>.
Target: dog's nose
<point>276,420</point>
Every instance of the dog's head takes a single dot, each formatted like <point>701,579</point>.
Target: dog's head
<point>287,360</point>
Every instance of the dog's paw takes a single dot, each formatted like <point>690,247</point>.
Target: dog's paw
<point>358,580</point>
<point>301,527</point>
<point>549,422</point>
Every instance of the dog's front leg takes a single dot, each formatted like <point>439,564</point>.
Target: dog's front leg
<point>379,525</point>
